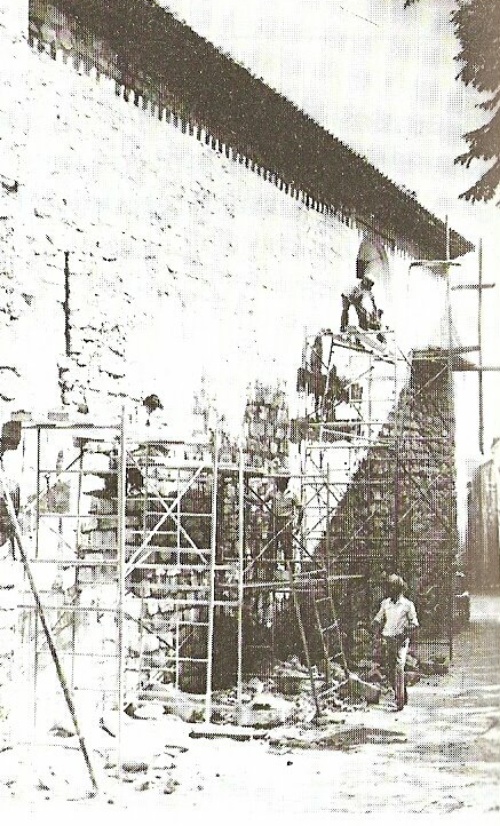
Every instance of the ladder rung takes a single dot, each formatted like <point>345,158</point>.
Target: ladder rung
<point>189,568</point>
<point>189,624</point>
<point>192,659</point>
<point>179,587</point>
<point>335,625</point>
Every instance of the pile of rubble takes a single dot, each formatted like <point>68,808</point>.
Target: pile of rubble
<point>146,754</point>
<point>287,695</point>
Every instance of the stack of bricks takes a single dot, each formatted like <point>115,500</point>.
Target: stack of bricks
<point>170,577</point>
<point>266,428</point>
<point>98,528</point>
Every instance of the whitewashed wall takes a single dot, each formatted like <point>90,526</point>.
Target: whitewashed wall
<point>182,262</point>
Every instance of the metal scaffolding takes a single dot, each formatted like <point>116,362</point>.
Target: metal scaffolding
<point>149,557</point>
<point>377,464</point>
<point>162,563</point>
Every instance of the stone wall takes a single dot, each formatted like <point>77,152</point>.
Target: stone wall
<point>135,258</point>
<point>182,263</point>
<point>399,512</point>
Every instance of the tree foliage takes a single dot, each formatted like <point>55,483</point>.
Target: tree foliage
<point>477,28</point>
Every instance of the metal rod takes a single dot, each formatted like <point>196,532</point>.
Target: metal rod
<point>177,654</point>
<point>370,400</point>
<point>473,369</point>
<point>37,546</point>
<point>145,494</point>
<point>397,447</point>
<point>76,572</point>
<point>41,614</point>
<point>178,526</point>
<point>241,580</point>
<point>38,491</point>
<point>328,525</point>
<point>211,599</point>
<point>122,491</point>
<point>473,286</point>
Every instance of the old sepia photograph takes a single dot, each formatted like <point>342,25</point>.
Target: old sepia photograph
<point>249,410</point>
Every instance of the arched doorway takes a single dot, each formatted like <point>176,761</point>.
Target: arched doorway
<point>372,261</point>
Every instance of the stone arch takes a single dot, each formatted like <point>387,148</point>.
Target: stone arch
<point>372,261</point>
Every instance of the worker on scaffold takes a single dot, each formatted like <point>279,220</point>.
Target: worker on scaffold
<point>287,514</point>
<point>362,299</point>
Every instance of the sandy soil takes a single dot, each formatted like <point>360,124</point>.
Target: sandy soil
<point>440,755</point>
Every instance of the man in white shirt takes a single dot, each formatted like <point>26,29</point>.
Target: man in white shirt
<point>396,622</point>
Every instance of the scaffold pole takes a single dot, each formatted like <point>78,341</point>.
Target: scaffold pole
<point>11,512</point>
<point>122,492</point>
<point>241,567</point>
<point>211,590</point>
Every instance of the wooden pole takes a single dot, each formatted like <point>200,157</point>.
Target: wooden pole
<point>480,343</point>
<point>43,620</point>
<point>451,512</point>
<point>305,645</point>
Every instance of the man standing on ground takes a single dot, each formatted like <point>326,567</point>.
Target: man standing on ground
<point>396,622</point>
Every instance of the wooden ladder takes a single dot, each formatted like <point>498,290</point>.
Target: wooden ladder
<point>327,624</point>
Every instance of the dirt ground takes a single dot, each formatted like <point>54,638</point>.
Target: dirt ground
<point>441,755</point>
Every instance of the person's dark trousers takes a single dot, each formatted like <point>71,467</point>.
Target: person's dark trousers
<point>344,318</point>
<point>284,538</point>
<point>360,312</point>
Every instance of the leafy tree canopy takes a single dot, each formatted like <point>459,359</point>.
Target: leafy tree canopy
<point>477,28</point>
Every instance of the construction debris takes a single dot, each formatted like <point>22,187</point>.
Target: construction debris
<point>266,710</point>
<point>169,565</point>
